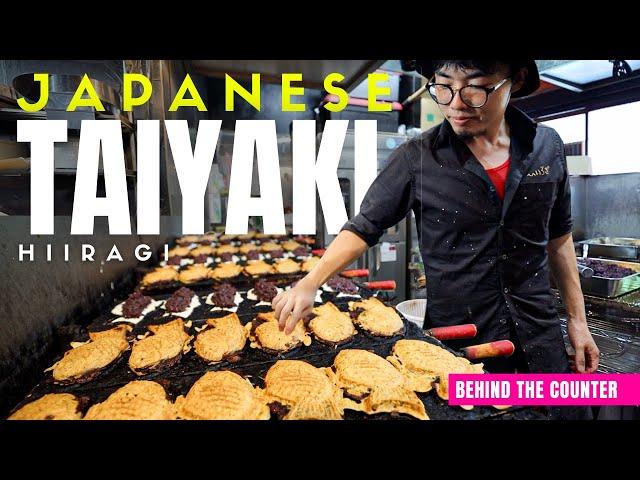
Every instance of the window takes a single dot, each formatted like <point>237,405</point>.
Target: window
<point>571,129</point>
<point>614,136</point>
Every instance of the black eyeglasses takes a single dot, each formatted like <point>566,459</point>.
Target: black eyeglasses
<point>472,95</point>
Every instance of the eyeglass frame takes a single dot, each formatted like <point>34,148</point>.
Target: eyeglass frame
<point>488,91</point>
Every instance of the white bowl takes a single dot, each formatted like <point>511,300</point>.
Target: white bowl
<point>413,310</point>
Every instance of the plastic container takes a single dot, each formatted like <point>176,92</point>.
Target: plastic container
<point>413,310</point>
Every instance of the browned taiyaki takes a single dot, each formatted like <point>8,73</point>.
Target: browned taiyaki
<point>222,395</point>
<point>226,249</point>
<point>258,267</point>
<point>269,246</point>
<point>188,239</point>
<point>224,337</point>
<point>374,317</point>
<point>247,247</point>
<point>286,265</point>
<point>179,251</point>
<point>330,325</point>
<point>290,245</point>
<point>225,270</point>
<point>265,334</point>
<point>309,263</point>
<point>85,362</point>
<point>52,406</point>
<point>160,275</point>
<point>194,273</point>
<point>374,385</point>
<point>161,350</point>
<point>304,391</point>
<point>137,400</point>
<point>203,250</point>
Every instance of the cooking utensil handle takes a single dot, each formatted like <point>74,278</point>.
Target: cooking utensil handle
<point>468,330</point>
<point>584,271</point>
<point>360,272</point>
<point>501,348</point>
<point>319,251</point>
<point>381,285</point>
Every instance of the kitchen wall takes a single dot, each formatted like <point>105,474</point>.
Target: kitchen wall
<point>606,205</point>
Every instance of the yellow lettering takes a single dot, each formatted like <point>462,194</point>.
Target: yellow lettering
<point>375,90</point>
<point>194,101</point>
<point>43,78</point>
<point>288,91</point>
<point>129,101</point>
<point>232,87</point>
<point>343,96</point>
<point>91,100</point>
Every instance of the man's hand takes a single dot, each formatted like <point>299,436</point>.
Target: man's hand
<point>297,301</point>
<point>587,354</point>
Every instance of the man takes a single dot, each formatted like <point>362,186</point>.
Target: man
<point>490,192</point>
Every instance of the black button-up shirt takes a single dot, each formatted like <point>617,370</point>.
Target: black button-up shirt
<point>485,258</point>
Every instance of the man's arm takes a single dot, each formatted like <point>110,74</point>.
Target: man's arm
<point>388,200</point>
<point>562,260</point>
<point>298,301</point>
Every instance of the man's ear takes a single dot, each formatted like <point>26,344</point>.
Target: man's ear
<point>518,79</point>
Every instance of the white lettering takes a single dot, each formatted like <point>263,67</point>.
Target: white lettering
<point>87,252</point>
<point>193,167</point>
<point>97,134</point>
<point>260,134</point>
<point>146,252</point>
<point>148,172</point>
<point>114,254</point>
<point>22,252</point>
<point>42,135</point>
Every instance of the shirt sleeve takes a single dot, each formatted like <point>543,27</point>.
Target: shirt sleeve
<point>560,222</point>
<point>388,200</point>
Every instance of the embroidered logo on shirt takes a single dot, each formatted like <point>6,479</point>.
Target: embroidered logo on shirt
<point>539,172</point>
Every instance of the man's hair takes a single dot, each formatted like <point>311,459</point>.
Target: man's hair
<point>487,67</point>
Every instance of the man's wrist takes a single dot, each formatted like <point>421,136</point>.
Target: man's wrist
<point>579,320</point>
<point>310,281</point>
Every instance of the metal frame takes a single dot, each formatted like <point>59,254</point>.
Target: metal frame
<point>487,90</point>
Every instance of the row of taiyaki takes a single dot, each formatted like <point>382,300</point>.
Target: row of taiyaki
<point>237,240</point>
<point>193,250</point>
<point>225,270</point>
<point>293,389</point>
<point>163,344</point>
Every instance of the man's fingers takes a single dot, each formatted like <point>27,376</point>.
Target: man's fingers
<point>579,359</point>
<point>276,299</point>
<point>284,313</point>
<point>278,304</point>
<point>291,322</point>
<point>593,356</point>
<point>297,313</point>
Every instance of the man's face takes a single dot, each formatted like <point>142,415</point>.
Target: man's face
<point>466,121</point>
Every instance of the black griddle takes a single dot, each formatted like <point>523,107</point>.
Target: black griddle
<point>252,363</point>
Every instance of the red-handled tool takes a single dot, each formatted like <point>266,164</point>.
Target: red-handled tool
<point>381,285</point>
<point>500,348</point>
<point>455,332</point>
<point>363,272</point>
<point>319,251</point>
